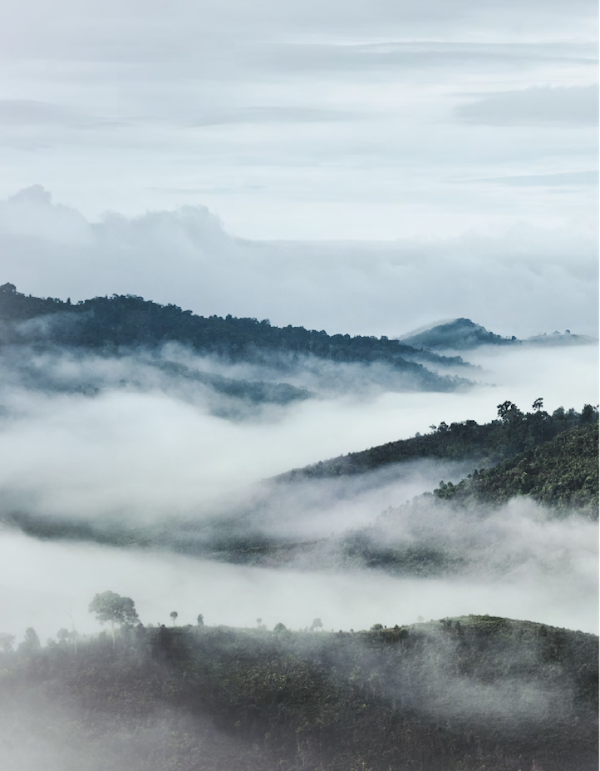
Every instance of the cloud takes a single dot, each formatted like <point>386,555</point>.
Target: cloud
<point>21,112</point>
<point>449,59</point>
<point>534,106</point>
<point>543,279</point>
<point>562,179</point>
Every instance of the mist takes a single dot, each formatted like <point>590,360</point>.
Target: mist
<point>153,446</point>
<point>149,455</point>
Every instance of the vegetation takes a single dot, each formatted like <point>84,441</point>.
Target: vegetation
<point>514,432</point>
<point>455,695</point>
<point>125,321</point>
<point>460,334</point>
<point>561,474</point>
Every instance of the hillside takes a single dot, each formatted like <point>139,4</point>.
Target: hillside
<point>562,474</point>
<point>460,334</point>
<point>558,470</point>
<point>464,335</point>
<point>515,431</point>
<point>126,322</point>
<point>455,695</point>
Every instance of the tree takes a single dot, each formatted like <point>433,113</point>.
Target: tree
<point>6,640</point>
<point>31,641</point>
<point>316,624</point>
<point>508,412</point>
<point>173,615</point>
<point>110,607</point>
<point>200,620</point>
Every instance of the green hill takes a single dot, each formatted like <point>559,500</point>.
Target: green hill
<point>460,694</point>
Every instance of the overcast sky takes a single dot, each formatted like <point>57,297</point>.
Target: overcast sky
<point>465,131</point>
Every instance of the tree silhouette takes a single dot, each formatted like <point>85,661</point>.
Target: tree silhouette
<point>6,640</point>
<point>110,607</point>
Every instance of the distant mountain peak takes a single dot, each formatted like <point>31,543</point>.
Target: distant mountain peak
<point>456,334</point>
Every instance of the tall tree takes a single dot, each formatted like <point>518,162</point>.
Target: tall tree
<point>110,607</point>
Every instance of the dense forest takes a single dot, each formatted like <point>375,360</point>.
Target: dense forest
<point>126,321</point>
<point>460,694</point>
<point>513,432</point>
<point>561,474</point>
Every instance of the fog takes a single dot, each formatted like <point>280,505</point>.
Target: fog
<point>148,454</point>
<point>39,589</point>
<point>151,446</point>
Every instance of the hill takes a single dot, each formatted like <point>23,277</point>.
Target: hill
<point>460,334</point>
<point>463,335</point>
<point>110,324</point>
<point>460,694</point>
<point>514,432</point>
<point>562,474</point>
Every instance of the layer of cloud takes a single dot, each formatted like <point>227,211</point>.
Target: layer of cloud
<point>326,120</point>
<point>563,179</point>
<point>542,279</point>
<point>534,106</point>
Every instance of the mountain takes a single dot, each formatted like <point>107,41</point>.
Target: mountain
<point>464,334</point>
<point>460,334</point>
<point>459,694</point>
<point>124,323</point>
<point>560,338</point>
<point>515,431</point>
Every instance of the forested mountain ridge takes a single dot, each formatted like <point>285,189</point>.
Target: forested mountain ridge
<point>459,694</point>
<point>513,432</point>
<point>104,323</point>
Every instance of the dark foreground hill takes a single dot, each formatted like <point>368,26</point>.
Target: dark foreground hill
<point>461,694</point>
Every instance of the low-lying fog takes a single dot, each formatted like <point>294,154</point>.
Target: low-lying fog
<point>145,453</point>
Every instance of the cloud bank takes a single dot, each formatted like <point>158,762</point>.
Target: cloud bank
<point>521,280</point>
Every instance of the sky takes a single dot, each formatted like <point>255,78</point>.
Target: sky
<point>346,120</point>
